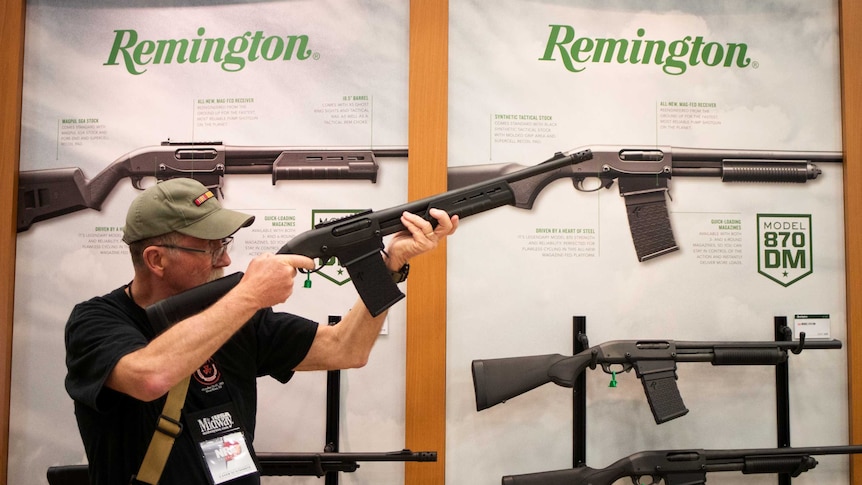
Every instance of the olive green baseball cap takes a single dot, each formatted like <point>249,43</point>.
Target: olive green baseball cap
<point>181,205</point>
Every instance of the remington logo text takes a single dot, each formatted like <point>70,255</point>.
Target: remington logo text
<point>675,56</point>
<point>137,54</point>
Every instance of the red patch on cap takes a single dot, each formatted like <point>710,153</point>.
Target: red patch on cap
<point>203,198</point>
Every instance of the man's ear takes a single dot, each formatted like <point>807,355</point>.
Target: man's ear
<point>155,260</point>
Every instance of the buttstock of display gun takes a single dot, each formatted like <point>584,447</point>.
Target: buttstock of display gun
<point>497,380</point>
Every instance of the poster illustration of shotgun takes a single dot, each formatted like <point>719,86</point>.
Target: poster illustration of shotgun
<point>45,194</point>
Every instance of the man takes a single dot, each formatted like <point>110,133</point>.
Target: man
<point>120,368</point>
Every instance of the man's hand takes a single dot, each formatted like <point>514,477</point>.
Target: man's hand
<point>419,237</point>
<point>269,277</point>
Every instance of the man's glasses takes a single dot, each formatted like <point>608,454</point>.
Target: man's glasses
<point>215,252</point>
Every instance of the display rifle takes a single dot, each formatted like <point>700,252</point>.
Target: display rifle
<point>278,464</point>
<point>49,193</point>
<point>356,241</point>
<point>319,464</point>
<point>643,174</point>
<point>654,362</point>
<point>686,467</point>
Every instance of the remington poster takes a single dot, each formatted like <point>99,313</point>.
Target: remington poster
<point>643,83</point>
<point>126,94</point>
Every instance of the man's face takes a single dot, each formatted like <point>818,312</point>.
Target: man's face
<point>193,262</point>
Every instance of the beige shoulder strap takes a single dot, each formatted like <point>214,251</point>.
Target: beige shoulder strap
<point>167,430</point>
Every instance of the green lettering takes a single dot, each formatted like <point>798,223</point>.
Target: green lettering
<point>553,41</point>
<point>255,45</point>
<point>737,51</point>
<point>142,51</point>
<point>166,49</point>
<point>674,57</point>
<point>609,46</point>
<point>271,52</point>
<point>232,54</point>
<point>713,54</point>
<point>123,39</point>
<point>693,59</point>
<point>302,51</point>
<point>237,45</point>
<point>676,50</point>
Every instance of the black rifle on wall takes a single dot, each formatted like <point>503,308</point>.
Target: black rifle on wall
<point>45,194</point>
<point>686,467</point>
<point>319,464</point>
<point>643,175</point>
<point>654,362</point>
<point>276,464</point>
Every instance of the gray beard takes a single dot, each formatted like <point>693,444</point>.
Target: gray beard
<point>216,273</point>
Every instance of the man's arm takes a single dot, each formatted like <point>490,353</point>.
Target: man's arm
<point>150,372</point>
<point>348,344</point>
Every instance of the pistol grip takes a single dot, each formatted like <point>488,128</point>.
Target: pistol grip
<point>659,380</point>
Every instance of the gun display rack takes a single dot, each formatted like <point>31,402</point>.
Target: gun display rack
<point>579,395</point>
<point>272,464</point>
<point>333,409</point>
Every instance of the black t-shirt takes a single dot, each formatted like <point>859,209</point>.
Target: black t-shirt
<point>116,428</point>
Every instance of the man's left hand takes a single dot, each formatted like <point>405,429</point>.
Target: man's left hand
<point>419,236</point>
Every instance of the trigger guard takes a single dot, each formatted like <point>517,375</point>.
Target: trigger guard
<point>603,184</point>
<point>638,480</point>
<point>626,367</point>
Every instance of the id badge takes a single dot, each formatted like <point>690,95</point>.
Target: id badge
<point>222,443</point>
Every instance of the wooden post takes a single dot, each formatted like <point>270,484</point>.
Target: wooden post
<point>11,82</point>
<point>426,288</point>
<point>850,19</point>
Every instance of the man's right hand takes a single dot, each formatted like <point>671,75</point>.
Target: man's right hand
<point>269,278</point>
